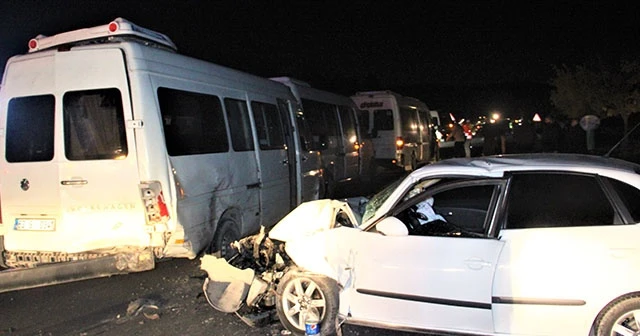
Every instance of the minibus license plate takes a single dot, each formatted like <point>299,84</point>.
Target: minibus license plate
<point>29,224</point>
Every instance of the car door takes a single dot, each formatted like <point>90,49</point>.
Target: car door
<point>434,282</point>
<point>567,253</point>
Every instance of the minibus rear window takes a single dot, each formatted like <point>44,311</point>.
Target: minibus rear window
<point>383,120</point>
<point>30,129</point>
<point>94,126</point>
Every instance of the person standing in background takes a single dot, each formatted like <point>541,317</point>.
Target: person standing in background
<point>495,138</point>
<point>551,135</point>
<point>576,138</point>
<point>525,137</point>
<point>468,135</point>
<point>457,135</point>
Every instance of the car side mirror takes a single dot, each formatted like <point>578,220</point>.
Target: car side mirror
<point>393,227</point>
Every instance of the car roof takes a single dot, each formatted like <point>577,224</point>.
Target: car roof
<point>496,166</point>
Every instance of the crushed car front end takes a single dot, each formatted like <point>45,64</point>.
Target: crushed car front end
<point>293,272</point>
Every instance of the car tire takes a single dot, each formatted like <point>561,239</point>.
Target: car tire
<point>294,294</point>
<point>619,314</point>
<point>226,234</point>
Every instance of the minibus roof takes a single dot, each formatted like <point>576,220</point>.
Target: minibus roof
<point>116,28</point>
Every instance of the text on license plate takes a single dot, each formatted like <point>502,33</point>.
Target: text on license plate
<point>29,224</point>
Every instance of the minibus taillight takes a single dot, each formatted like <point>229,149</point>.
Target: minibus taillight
<point>399,143</point>
<point>155,206</point>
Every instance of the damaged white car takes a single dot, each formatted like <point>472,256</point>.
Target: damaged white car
<point>513,245</point>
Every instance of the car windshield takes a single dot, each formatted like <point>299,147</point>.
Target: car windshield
<point>376,201</point>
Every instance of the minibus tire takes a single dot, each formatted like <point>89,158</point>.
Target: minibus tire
<point>226,234</point>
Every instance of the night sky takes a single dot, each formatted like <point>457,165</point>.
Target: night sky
<point>457,56</point>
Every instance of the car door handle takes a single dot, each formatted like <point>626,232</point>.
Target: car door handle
<point>74,182</point>
<point>477,263</point>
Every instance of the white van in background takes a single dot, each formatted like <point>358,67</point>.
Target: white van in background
<point>335,132</point>
<point>399,126</point>
<point>116,151</point>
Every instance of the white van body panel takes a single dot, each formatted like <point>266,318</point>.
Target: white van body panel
<point>390,110</point>
<point>103,205</point>
<point>89,213</point>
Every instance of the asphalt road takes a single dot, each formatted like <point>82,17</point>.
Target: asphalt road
<point>171,304</point>
<point>165,301</point>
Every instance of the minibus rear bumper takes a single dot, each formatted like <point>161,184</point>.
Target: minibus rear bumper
<point>62,272</point>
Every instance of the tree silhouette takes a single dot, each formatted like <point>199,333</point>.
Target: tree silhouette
<point>600,90</point>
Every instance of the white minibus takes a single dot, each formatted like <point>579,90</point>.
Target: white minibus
<point>333,123</point>
<point>116,151</point>
<point>399,126</point>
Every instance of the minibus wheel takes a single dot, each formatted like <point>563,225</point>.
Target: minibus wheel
<point>226,234</point>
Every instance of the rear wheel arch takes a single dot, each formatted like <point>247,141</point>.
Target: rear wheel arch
<point>613,311</point>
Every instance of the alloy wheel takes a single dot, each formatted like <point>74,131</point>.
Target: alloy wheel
<point>302,299</point>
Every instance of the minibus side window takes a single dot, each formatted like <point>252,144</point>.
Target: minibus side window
<point>306,139</point>
<point>348,125</point>
<point>363,120</point>
<point>409,120</point>
<point>193,122</point>
<point>424,125</point>
<point>268,125</point>
<point>94,125</point>
<point>239,124</point>
<point>323,122</point>
<point>30,122</point>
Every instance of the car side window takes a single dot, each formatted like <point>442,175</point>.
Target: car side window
<point>461,210</point>
<point>630,197</point>
<point>548,200</point>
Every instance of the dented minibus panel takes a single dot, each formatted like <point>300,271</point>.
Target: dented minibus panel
<point>116,151</point>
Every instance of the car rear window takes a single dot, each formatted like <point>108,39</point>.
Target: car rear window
<point>557,200</point>
<point>30,122</point>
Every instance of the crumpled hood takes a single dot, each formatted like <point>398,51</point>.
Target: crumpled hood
<point>307,219</point>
